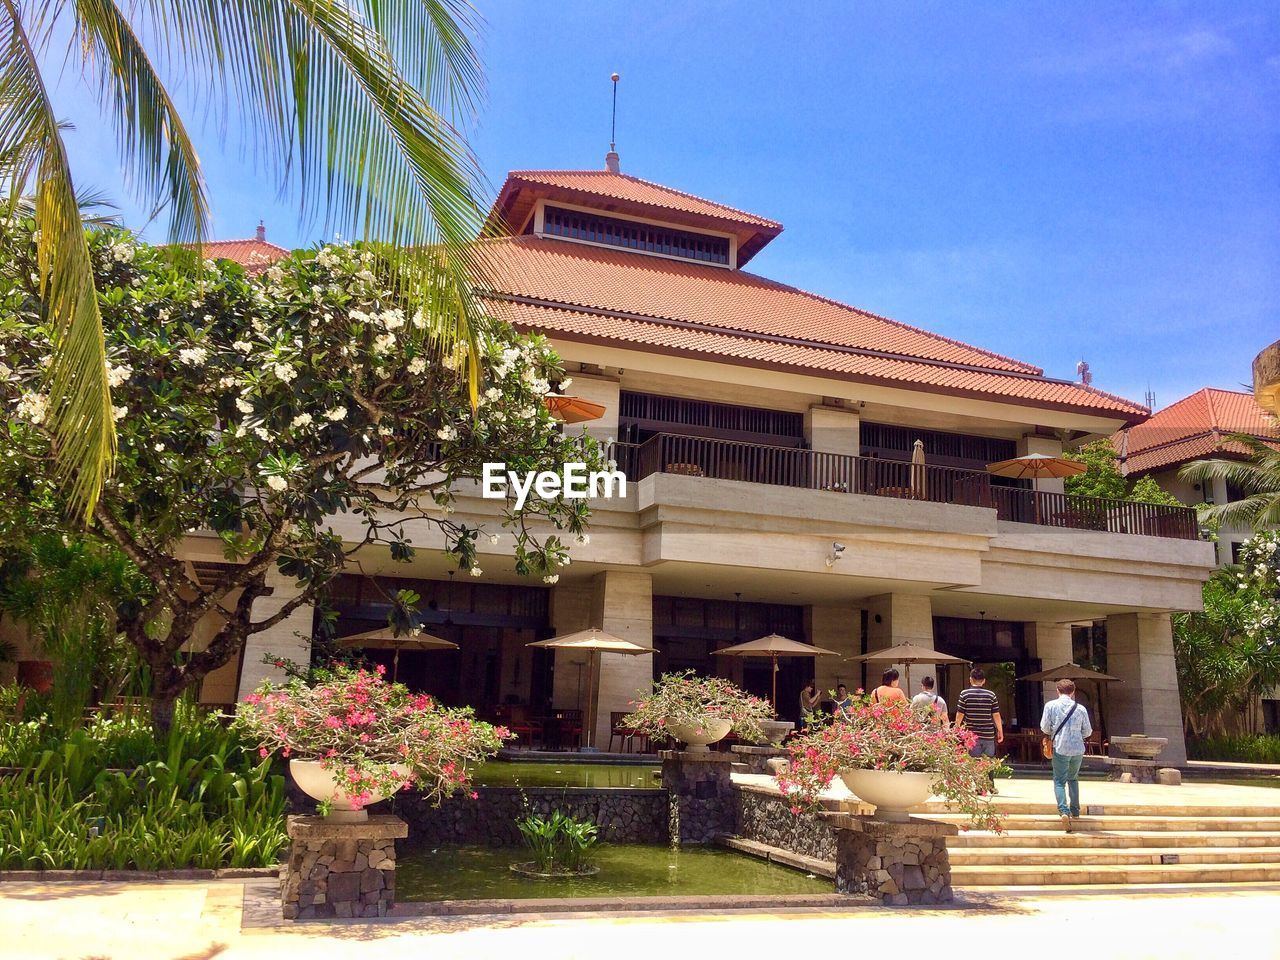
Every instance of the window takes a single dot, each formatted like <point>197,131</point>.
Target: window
<point>650,238</point>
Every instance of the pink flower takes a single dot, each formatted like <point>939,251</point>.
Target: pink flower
<point>262,752</point>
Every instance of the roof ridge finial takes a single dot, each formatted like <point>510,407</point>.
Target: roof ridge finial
<point>261,232</point>
<point>611,160</point>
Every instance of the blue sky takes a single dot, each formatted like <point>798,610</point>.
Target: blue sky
<point>1051,181</point>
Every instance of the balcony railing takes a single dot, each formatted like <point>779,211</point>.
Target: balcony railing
<point>813,470</point>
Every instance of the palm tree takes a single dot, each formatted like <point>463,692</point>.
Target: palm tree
<point>1258,477</point>
<point>354,104</point>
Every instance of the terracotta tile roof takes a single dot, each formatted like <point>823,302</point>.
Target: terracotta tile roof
<point>1194,427</point>
<point>621,186</point>
<point>254,255</point>
<point>602,295</point>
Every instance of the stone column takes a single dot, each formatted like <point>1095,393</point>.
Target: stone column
<point>290,639</point>
<point>1140,652</point>
<point>1051,642</point>
<point>701,795</point>
<point>598,389</point>
<point>900,864</point>
<point>341,869</point>
<point>894,618</point>
<point>838,629</point>
<point>1049,446</point>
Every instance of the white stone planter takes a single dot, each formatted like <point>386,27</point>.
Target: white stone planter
<point>320,784</point>
<point>697,737</point>
<point>1139,746</point>
<point>893,792</point>
<point>775,730</point>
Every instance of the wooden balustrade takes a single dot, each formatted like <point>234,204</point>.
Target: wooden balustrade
<point>815,470</point>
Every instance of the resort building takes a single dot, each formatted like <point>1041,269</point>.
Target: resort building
<point>1197,427</point>
<point>767,434</point>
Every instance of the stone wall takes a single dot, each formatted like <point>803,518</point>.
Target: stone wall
<point>898,863</point>
<point>700,794</point>
<point>762,815</point>
<point>340,869</point>
<point>623,814</point>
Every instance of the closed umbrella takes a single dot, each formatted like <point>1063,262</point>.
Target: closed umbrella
<point>594,642</point>
<point>385,636</point>
<point>1033,467</point>
<point>774,646</point>
<point>918,489</point>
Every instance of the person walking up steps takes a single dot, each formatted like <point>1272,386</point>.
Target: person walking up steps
<point>1067,723</point>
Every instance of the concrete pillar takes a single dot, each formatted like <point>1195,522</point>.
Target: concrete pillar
<point>833,430</point>
<point>290,639</point>
<point>1140,652</point>
<point>1049,446</point>
<point>835,628</point>
<point>598,389</point>
<point>894,618</point>
<point>620,603</point>
<point>1051,642</point>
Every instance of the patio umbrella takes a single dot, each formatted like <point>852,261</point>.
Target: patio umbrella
<point>594,642</point>
<point>918,489</point>
<point>1033,467</point>
<point>1073,671</point>
<point>907,654</point>
<point>773,647</point>
<point>573,409</point>
<point>384,635</point>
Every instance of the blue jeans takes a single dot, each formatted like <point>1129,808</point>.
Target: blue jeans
<point>983,748</point>
<point>1066,777</point>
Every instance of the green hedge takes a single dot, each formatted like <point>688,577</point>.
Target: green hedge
<point>1240,749</point>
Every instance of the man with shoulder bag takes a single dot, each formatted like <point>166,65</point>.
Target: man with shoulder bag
<point>1066,727</point>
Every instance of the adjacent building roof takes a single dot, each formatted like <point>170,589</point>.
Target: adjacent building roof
<point>1195,427</point>
<point>254,255</point>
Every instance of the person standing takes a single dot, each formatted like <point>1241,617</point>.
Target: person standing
<point>928,699</point>
<point>844,702</point>
<point>1067,723</point>
<point>808,703</point>
<point>978,710</point>
<point>888,691</point>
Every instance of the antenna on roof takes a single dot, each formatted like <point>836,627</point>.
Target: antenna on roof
<point>261,232</point>
<point>611,160</point>
<point>1082,368</point>
<point>1150,398</point>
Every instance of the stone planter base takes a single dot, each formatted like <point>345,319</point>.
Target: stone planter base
<point>341,869</point>
<point>899,864</point>
<point>757,758</point>
<point>1125,770</point>
<point>700,795</point>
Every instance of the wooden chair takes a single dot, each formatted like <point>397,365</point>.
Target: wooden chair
<point>1095,746</point>
<point>529,729</point>
<point>626,736</point>
<point>565,725</point>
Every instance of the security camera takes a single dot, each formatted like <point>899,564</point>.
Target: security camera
<point>837,551</point>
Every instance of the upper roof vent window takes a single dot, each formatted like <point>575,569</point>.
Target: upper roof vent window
<point>630,235</point>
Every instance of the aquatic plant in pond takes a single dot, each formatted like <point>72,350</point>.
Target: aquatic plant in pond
<point>559,844</point>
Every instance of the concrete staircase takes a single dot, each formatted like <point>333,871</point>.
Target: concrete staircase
<point>1118,844</point>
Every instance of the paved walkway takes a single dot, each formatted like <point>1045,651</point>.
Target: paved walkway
<point>196,921</point>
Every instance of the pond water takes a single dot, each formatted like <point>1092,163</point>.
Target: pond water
<point>626,870</point>
<point>528,773</point>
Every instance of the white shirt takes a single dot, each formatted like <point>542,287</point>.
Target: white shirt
<point>930,699</point>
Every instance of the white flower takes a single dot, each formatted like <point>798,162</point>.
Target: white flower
<point>119,413</point>
<point>226,383</point>
<point>551,578</point>
<point>277,483</point>
<point>159,448</point>
<point>447,432</point>
<point>393,319</point>
<point>384,342</point>
<point>240,431</point>
<point>417,365</point>
<point>494,538</point>
<point>116,375</point>
<point>566,383</point>
<point>476,571</point>
<point>284,373</point>
<point>385,431</point>
<point>336,414</point>
<point>5,371</point>
<point>326,258</point>
<point>275,274</point>
<point>244,346</point>
<point>193,356</point>
<point>121,252</point>
<point>243,405</point>
<point>33,407</point>
<point>301,420</point>
<point>584,538</point>
<point>493,394</point>
<point>262,432</point>
<point>419,320</point>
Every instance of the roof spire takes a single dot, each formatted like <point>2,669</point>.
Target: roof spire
<point>611,161</point>
<point>261,232</point>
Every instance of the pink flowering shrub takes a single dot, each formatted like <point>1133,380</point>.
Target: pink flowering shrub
<point>357,725</point>
<point>688,699</point>
<point>893,736</point>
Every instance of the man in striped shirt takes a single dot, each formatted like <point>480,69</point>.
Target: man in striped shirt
<point>978,710</point>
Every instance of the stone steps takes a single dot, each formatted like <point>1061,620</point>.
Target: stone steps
<point>1057,839</point>
<point>940,811</point>
<point>1130,823</point>
<point>1071,857</point>
<point>1016,875</point>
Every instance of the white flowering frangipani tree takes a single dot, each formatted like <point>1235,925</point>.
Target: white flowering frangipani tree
<point>259,407</point>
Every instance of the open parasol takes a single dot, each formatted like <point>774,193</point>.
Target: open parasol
<point>573,409</point>
<point>907,654</point>
<point>775,646</point>
<point>1034,467</point>
<point>384,636</point>
<point>1073,671</point>
<point>594,642</point>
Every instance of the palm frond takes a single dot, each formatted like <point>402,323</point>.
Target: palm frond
<point>154,143</point>
<point>327,104</point>
<point>79,397</point>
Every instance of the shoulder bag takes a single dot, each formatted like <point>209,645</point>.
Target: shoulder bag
<point>1046,742</point>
